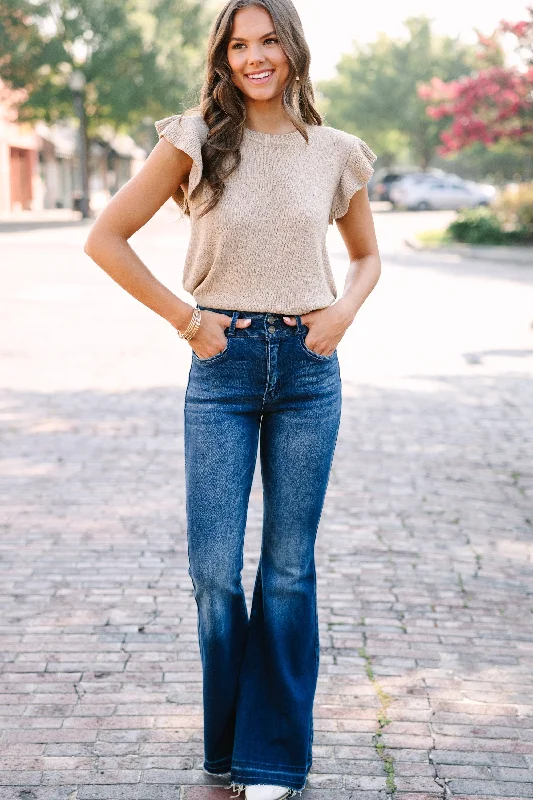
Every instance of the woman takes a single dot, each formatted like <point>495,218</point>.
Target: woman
<point>261,178</point>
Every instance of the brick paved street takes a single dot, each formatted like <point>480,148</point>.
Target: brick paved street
<point>424,553</point>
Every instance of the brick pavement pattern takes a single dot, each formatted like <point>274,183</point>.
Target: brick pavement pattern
<point>424,563</point>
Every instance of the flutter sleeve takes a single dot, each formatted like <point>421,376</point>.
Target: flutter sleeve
<point>187,133</point>
<point>357,172</point>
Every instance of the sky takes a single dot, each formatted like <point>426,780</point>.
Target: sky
<point>332,25</point>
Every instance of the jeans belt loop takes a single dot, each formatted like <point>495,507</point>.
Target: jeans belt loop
<point>234,318</point>
<point>298,323</point>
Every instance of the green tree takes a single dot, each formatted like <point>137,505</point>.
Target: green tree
<point>374,93</point>
<point>140,57</point>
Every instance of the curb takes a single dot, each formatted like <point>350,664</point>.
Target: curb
<point>503,253</point>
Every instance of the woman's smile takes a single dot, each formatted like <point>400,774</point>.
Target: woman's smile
<point>260,78</point>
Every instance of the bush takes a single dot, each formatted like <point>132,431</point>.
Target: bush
<point>515,207</point>
<point>508,221</point>
<point>477,226</point>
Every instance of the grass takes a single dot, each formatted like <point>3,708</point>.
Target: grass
<point>383,720</point>
<point>434,238</point>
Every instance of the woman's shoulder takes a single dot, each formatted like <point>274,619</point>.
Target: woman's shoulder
<point>341,140</point>
<point>189,124</point>
<point>187,132</point>
<point>348,149</point>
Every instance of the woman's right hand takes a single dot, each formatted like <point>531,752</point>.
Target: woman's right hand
<point>210,338</point>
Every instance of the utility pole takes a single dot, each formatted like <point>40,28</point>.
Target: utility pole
<point>77,83</point>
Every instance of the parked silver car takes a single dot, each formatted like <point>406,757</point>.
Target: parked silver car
<point>383,179</point>
<point>423,191</point>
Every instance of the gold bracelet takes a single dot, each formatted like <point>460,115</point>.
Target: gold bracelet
<point>196,324</point>
<point>193,325</point>
<point>189,327</point>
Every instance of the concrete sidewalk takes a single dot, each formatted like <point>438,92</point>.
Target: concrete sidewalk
<point>46,220</point>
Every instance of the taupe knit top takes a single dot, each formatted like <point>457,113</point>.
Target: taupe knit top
<point>263,246</point>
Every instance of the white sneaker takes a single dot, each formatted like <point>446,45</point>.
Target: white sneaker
<point>262,791</point>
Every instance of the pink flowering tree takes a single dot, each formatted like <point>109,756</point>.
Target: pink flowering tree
<point>493,104</point>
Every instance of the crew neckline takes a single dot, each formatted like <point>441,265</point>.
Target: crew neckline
<point>272,136</point>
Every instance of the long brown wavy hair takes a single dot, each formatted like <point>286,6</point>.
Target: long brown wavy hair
<point>222,103</point>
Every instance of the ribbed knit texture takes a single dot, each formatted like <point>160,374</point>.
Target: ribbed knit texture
<point>263,247</point>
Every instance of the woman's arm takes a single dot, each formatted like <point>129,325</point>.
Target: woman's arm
<point>328,325</point>
<point>133,206</point>
<point>164,170</point>
<point>359,235</point>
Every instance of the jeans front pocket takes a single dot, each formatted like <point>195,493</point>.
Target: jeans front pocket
<point>311,353</point>
<point>210,359</point>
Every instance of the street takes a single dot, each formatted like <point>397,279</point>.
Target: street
<point>424,552</point>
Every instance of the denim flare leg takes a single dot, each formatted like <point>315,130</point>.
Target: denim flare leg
<point>268,389</point>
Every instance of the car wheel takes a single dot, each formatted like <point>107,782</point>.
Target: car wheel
<point>423,205</point>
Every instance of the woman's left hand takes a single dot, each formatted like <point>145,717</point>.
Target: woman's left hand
<point>326,326</point>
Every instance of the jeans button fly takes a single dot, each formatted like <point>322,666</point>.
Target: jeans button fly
<point>271,319</point>
<point>271,329</point>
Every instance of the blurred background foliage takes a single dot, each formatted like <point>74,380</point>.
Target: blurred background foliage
<point>374,93</point>
<point>377,94</point>
<point>144,59</point>
<point>141,58</point>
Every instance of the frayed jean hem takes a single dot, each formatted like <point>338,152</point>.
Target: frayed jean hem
<point>219,767</point>
<point>240,787</point>
<point>294,780</point>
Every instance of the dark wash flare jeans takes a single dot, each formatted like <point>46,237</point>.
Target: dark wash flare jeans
<point>265,388</point>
